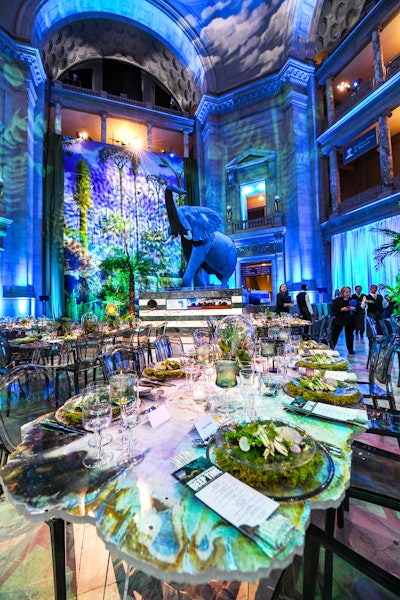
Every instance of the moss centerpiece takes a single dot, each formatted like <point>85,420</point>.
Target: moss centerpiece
<point>265,453</point>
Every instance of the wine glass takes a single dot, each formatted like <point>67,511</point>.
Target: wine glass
<point>96,416</point>
<point>103,391</point>
<point>122,392</point>
<point>130,418</point>
<point>226,378</point>
<point>190,368</point>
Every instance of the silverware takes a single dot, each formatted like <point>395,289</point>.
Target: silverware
<point>61,428</point>
<point>332,448</point>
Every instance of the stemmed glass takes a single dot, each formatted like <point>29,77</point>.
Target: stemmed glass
<point>122,392</point>
<point>103,391</point>
<point>96,416</point>
<point>190,368</point>
<point>226,378</point>
<point>249,385</point>
<point>130,418</point>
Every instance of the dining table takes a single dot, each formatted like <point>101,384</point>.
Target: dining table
<point>148,518</point>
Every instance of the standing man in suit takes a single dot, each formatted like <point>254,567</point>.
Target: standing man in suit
<point>374,303</point>
<point>359,317</point>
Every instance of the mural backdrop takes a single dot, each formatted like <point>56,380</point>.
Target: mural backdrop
<point>116,225</point>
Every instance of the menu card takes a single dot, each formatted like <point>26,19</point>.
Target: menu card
<point>309,408</point>
<point>244,507</point>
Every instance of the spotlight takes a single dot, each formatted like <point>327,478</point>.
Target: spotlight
<point>171,153</point>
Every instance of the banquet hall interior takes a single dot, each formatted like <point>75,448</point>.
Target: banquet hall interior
<point>283,117</point>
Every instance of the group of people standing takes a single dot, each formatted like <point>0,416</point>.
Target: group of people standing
<point>348,310</point>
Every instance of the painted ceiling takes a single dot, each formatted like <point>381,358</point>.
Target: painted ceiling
<point>192,47</point>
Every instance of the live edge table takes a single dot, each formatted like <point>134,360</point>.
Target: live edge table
<point>143,514</point>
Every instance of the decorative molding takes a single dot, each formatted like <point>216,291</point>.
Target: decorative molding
<point>295,72</point>
<point>256,249</point>
<point>23,56</point>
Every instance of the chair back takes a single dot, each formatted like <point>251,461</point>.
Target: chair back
<point>27,392</point>
<point>174,347</point>
<point>161,347</point>
<point>143,336</point>
<point>123,358</point>
<point>125,336</point>
<point>161,329</point>
<point>89,350</point>
<point>201,337</point>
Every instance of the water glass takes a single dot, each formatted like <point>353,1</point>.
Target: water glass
<point>225,379</point>
<point>96,416</point>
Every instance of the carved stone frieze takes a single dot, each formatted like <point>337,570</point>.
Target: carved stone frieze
<point>26,58</point>
<point>294,72</point>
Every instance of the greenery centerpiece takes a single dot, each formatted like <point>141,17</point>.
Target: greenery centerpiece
<point>236,338</point>
<point>265,453</point>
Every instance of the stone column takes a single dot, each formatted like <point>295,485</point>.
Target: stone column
<point>379,65</point>
<point>57,118</point>
<point>150,137</point>
<point>385,152</point>
<point>104,127</point>
<point>385,143</point>
<point>334,180</point>
<point>330,101</point>
<point>186,143</point>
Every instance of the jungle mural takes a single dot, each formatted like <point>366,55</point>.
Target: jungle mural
<point>116,226</point>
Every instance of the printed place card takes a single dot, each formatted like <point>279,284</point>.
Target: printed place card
<point>206,427</point>
<point>158,416</point>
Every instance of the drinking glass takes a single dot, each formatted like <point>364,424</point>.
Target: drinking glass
<point>96,416</point>
<point>122,392</point>
<point>267,350</point>
<point>103,391</point>
<point>191,369</point>
<point>249,385</point>
<point>130,418</point>
<point>226,378</point>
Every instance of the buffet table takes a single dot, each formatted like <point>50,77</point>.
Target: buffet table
<point>148,518</point>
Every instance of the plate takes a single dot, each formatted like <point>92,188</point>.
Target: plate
<point>70,413</point>
<point>277,484</point>
<point>345,394</point>
<point>329,363</point>
<point>166,369</point>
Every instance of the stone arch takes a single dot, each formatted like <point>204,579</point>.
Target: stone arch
<point>175,46</point>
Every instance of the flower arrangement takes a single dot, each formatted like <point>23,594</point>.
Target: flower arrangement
<point>112,317</point>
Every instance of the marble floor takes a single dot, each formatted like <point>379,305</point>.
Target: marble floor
<point>93,573</point>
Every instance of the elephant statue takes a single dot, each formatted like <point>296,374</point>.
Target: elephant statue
<point>206,249</point>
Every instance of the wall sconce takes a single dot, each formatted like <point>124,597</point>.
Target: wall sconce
<point>229,214</point>
<point>277,203</point>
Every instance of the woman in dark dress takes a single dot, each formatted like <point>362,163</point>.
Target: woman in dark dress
<point>343,311</point>
<point>283,300</point>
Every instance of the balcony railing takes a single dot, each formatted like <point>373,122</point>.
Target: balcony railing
<point>260,223</point>
<point>121,98</point>
<point>365,89</point>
